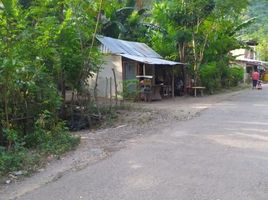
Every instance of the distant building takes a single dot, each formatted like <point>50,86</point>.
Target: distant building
<point>248,59</point>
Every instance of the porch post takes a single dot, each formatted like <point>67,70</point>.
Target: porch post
<point>245,73</point>
<point>144,70</point>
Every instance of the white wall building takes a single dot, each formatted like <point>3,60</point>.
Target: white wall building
<point>128,60</point>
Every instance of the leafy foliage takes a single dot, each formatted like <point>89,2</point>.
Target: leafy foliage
<point>45,47</point>
<point>130,89</point>
<point>124,20</point>
<point>258,31</point>
<point>16,159</point>
<point>210,77</point>
<point>214,76</point>
<point>236,75</point>
<point>198,32</point>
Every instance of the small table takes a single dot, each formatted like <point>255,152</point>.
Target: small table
<point>198,88</point>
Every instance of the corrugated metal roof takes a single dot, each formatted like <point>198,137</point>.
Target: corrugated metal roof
<point>151,61</point>
<point>133,50</point>
<point>117,46</point>
<point>252,61</point>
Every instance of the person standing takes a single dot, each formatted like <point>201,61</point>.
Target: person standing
<point>255,78</point>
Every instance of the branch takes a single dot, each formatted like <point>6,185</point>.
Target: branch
<point>96,27</point>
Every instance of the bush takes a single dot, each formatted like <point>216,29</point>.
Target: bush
<point>210,77</point>
<point>130,89</point>
<point>236,75</point>
<point>22,158</point>
<point>214,76</point>
<point>49,137</point>
<point>18,158</point>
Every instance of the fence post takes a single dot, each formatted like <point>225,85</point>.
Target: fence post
<point>115,87</point>
<point>111,93</point>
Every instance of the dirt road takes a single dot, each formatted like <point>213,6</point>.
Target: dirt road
<point>152,129</point>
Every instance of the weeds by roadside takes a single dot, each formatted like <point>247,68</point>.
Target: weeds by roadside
<point>21,158</point>
<point>49,138</point>
<point>29,152</point>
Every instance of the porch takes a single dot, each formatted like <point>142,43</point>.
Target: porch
<point>155,81</point>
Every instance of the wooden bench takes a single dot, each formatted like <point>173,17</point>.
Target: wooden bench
<point>200,88</point>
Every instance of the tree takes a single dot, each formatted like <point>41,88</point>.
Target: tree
<point>46,46</point>
<point>26,89</point>
<point>196,25</point>
<point>257,31</point>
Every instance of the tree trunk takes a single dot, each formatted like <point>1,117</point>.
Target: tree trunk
<point>139,4</point>
<point>96,27</point>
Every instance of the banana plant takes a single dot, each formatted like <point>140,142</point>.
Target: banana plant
<point>125,21</point>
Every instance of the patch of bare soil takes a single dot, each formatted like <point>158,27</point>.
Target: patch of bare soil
<point>141,120</point>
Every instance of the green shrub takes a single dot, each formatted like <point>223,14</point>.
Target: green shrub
<point>18,158</point>
<point>130,89</point>
<point>49,137</point>
<point>59,144</point>
<point>210,77</point>
<point>216,75</point>
<point>22,158</point>
<point>236,75</point>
